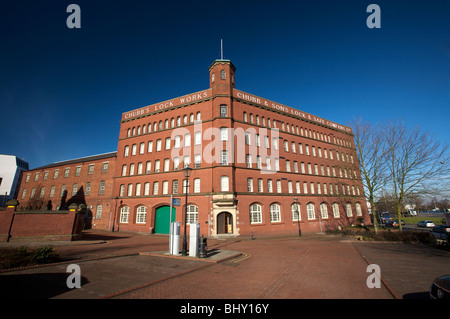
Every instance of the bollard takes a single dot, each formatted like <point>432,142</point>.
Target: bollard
<point>202,248</point>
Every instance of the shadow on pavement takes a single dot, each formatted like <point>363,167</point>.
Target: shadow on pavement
<point>35,286</point>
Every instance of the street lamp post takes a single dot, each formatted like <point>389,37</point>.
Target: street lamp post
<point>187,172</point>
<point>298,216</point>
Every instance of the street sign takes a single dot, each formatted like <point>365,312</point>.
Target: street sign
<point>176,201</point>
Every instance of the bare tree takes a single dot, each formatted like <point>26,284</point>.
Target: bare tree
<point>371,151</point>
<point>414,159</point>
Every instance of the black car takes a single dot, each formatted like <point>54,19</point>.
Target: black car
<point>440,288</point>
<point>441,229</point>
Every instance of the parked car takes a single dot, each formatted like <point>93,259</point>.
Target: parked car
<point>442,229</point>
<point>426,223</point>
<point>393,223</point>
<point>440,288</point>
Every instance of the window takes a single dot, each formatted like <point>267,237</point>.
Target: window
<point>88,188</point>
<point>187,140</point>
<point>349,210</point>
<point>148,167</point>
<point>139,168</point>
<point>358,209</point>
<point>55,176</point>
<point>167,143</point>
<point>166,164</point>
<point>52,191</point>
<point>224,184</point>
<point>192,214</point>
<point>141,215</point>
<point>150,147</point>
<point>249,184</point>
<point>249,161</point>
<point>223,110</point>
<point>196,185</point>
<point>275,215</point>
<point>98,213</point>
<point>101,189</point>
<point>323,210</point>
<point>124,214</point>
<point>197,160</point>
<point>126,151</point>
<point>33,191</point>
<point>224,134</point>
<point>295,210</point>
<point>165,187</point>
<point>146,189</point>
<point>138,189</point>
<point>155,188</point>
<point>269,186</point>
<point>42,192</point>
<point>255,214</point>
<point>176,163</point>
<point>260,185</point>
<point>336,213</point>
<point>175,186</point>
<point>36,177</point>
<point>24,193</point>
<point>158,145</point>
<point>278,186</point>
<point>133,149</point>
<point>122,190</point>
<point>310,211</point>
<point>131,169</point>
<point>224,157</point>
<point>63,191</point>
<point>45,175</point>
<point>223,75</point>
<point>130,190</point>
<point>141,150</point>
<point>290,190</point>
<point>74,189</point>
<point>66,172</point>
<point>198,138</point>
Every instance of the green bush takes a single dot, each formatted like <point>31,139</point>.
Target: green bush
<point>44,255</point>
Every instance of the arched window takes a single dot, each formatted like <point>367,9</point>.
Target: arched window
<point>192,214</point>
<point>349,210</point>
<point>223,75</point>
<point>275,215</point>
<point>358,209</point>
<point>310,211</point>
<point>295,210</point>
<point>323,210</point>
<point>336,213</point>
<point>124,214</point>
<point>255,214</point>
<point>141,215</point>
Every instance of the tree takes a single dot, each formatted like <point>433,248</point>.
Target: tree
<point>371,151</point>
<point>414,160</point>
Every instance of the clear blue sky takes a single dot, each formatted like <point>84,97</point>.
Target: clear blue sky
<point>62,91</point>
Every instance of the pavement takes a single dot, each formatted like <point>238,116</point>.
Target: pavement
<point>314,266</point>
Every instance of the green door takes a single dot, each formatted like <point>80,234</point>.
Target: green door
<point>162,219</point>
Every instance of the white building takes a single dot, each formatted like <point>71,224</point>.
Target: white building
<point>11,168</point>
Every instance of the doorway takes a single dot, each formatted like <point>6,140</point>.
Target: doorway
<point>162,219</point>
<point>224,223</point>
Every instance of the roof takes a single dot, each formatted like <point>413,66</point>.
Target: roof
<point>80,160</point>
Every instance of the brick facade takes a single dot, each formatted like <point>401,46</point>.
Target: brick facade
<point>87,181</point>
<point>253,162</point>
<point>312,162</point>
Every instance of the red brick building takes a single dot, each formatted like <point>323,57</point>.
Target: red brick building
<point>258,166</point>
<point>86,180</point>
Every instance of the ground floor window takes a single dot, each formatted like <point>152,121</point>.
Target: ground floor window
<point>141,215</point>
<point>124,214</point>
<point>275,213</point>
<point>192,214</point>
<point>255,214</point>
